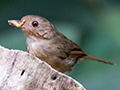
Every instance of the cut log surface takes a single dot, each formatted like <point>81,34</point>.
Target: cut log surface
<point>22,71</point>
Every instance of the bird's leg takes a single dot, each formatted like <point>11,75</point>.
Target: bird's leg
<point>68,73</point>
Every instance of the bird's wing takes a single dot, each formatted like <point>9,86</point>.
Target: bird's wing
<point>77,51</point>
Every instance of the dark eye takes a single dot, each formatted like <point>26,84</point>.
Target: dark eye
<point>35,23</point>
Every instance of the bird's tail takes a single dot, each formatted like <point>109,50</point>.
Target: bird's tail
<point>97,59</point>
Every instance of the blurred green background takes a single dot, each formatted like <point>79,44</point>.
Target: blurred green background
<point>93,24</point>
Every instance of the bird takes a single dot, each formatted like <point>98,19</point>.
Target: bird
<point>44,41</point>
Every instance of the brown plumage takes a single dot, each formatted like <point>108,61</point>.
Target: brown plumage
<point>46,43</point>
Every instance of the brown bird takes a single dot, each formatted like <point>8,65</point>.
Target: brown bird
<point>49,45</point>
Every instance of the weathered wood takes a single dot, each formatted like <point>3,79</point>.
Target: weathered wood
<point>22,71</point>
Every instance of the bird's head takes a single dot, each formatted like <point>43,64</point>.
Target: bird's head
<point>36,26</point>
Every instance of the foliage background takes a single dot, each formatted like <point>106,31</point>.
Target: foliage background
<point>93,24</point>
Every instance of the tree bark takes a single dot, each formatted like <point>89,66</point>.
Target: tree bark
<point>22,71</point>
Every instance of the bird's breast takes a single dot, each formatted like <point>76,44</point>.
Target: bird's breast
<point>36,48</point>
<point>48,52</point>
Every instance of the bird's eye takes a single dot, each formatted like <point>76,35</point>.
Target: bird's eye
<point>35,23</point>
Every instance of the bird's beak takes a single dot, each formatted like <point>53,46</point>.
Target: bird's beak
<point>16,23</point>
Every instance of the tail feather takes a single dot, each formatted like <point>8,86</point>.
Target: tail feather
<point>97,59</point>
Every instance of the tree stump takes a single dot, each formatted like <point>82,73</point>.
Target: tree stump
<point>21,71</point>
